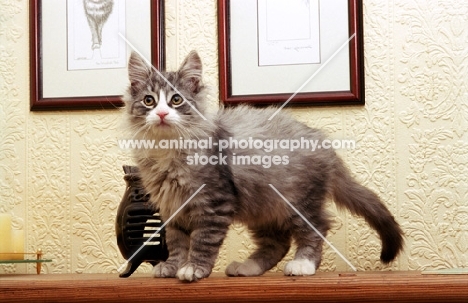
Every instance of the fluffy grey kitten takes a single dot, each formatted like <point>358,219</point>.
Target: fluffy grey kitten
<point>97,12</point>
<point>238,191</point>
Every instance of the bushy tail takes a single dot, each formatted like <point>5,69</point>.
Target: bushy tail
<point>361,201</point>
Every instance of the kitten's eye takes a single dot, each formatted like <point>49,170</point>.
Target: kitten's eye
<point>149,100</point>
<point>177,100</point>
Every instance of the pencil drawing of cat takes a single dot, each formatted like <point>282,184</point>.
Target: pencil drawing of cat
<point>97,12</point>
<point>251,193</point>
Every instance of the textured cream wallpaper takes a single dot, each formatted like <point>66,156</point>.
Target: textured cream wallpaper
<point>61,176</point>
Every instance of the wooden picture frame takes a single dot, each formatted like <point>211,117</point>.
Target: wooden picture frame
<point>237,40</point>
<point>47,41</point>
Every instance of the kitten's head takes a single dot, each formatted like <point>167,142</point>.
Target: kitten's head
<point>165,104</point>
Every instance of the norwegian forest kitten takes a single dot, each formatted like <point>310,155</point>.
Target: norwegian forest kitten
<point>222,189</point>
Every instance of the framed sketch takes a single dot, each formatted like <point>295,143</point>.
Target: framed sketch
<point>298,52</point>
<point>79,49</point>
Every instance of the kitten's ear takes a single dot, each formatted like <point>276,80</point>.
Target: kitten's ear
<point>190,72</point>
<point>138,70</point>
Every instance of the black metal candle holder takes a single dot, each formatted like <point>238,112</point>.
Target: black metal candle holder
<point>140,235</point>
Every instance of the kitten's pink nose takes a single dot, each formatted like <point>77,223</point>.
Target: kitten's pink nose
<point>162,115</point>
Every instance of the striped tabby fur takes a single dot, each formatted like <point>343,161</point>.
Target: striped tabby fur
<point>238,193</point>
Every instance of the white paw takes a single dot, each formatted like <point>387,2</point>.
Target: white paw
<point>191,272</point>
<point>247,269</point>
<point>302,267</point>
<point>164,270</point>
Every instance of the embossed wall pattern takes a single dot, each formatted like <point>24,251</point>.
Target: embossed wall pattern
<point>61,172</point>
<point>432,82</point>
<point>13,198</point>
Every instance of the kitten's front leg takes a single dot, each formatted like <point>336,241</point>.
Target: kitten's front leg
<point>205,242</point>
<point>178,245</point>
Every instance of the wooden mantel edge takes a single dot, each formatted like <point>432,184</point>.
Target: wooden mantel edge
<point>396,286</point>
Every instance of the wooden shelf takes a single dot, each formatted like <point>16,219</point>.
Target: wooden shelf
<point>272,287</point>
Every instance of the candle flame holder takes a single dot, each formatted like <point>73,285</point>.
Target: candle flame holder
<point>38,259</point>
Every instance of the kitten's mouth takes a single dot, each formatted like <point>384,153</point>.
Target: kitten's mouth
<point>163,124</point>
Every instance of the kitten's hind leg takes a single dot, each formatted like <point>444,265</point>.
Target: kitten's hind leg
<point>309,246</point>
<point>272,247</point>
<point>178,245</point>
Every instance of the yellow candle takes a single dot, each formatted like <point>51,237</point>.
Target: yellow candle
<point>17,244</point>
<point>5,236</point>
